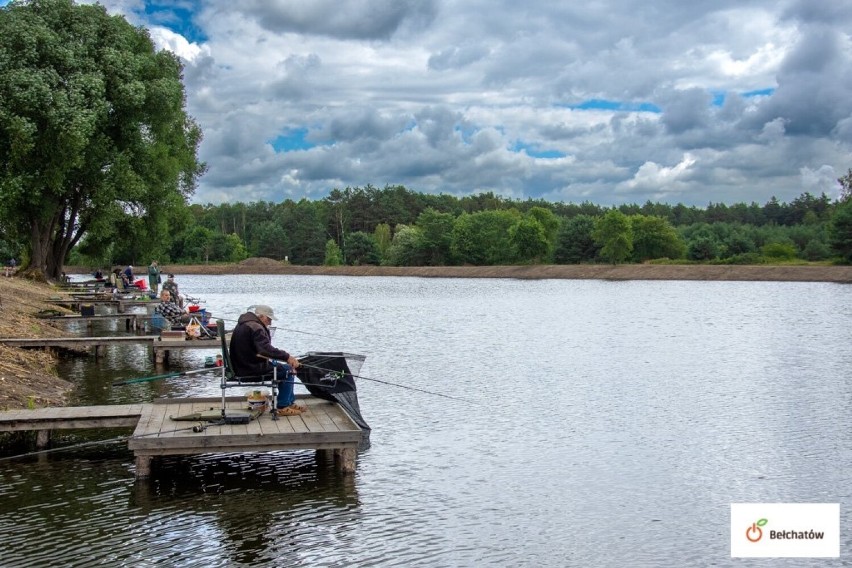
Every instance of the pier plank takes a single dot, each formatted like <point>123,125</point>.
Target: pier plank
<point>322,426</point>
<point>70,417</point>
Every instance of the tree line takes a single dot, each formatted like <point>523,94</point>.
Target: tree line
<point>400,227</point>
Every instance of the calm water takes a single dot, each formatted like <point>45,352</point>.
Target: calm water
<point>608,424</point>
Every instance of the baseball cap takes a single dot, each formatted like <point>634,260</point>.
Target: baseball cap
<point>263,310</point>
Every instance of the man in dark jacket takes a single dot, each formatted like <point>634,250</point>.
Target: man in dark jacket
<point>251,338</point>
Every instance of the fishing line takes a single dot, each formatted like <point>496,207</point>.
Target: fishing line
<point>166,376</point>
<point>395,384</point>
<point>336,338</point>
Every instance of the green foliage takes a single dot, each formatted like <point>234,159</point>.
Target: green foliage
<point>408,247</point>
<point>703,244</point>
<point>529,240</point>
<point>234,249</point>
<point>779,251</point>
<point>305,222</point>
<point>482,238</point>
<point>737,241</point>
<point>436,229</point>
<point>93,131</point>
<point>361,248</point>
<point>615,236</point>
<point>194,245</point>
<point>574,241</point>
<point>815,250</point>
<point>746,258</point>
<point>333,255</point>
<point>840,230</point>
<point>550,223</point>
<point>654,237</point>
<point>270,240</point>
<point>382,235</point>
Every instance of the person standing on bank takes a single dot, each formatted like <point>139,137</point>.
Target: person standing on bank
<point>251,338</point>
<point>154,277</point>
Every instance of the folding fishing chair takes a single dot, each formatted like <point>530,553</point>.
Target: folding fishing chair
<point>231,379</point>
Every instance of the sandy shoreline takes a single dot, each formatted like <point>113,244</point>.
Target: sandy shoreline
<point>803,273</point>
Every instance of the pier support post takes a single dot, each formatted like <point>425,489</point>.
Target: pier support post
<point>143,467</point>
<point>100,351</point>
<point>42,439</point>
<point>127,324</point>
<point>345,459</point>
<point>161,355</point>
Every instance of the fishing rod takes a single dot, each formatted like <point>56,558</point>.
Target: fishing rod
<point>166,376</point>
<point>336,371</point>
<point>293,330</point>
<point>196,428</point>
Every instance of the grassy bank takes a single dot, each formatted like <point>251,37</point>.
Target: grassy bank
<point>27,377</point>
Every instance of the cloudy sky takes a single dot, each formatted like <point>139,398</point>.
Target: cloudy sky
<point>607,101</point>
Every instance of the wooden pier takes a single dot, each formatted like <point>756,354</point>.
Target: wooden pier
<point>132,322</point>
<point>44,420</point>
<point>161,347</point>
<point>121,305</point>
<point>324,426</point>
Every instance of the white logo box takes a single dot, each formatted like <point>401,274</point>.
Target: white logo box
<point>785,530</point>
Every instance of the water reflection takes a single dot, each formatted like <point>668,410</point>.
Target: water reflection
<point>253,506</point>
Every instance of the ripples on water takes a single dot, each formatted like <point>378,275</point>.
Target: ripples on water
<point>609,424</point>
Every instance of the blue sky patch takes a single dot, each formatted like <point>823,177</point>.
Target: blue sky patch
<point>176,16</point>
<point>603,104</point>
<point>466,133</point>
<point>291,140</point>
<point>533,151</point>
<point>720,96</point>
<point>759,93</point>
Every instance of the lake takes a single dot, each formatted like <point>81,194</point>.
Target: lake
<point>600,424</point>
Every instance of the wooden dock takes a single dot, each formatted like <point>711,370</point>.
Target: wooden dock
<point>161,347</point>
<point>121,305</point>
<point>132,322</point>
<point>44,420</point>
<point>325,427</point>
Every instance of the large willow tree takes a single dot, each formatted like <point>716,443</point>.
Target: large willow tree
<point>94,135</point>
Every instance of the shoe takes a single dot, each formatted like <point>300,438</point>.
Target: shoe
<point>291,410</point>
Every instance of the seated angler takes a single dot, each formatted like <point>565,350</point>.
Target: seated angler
<point>251,338</point>
<point>170,311</point>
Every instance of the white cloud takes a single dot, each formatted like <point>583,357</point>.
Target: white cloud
<point>821,180</point>
<point>164,38</point>
<point>438,95</point>
<point>657,179</point>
